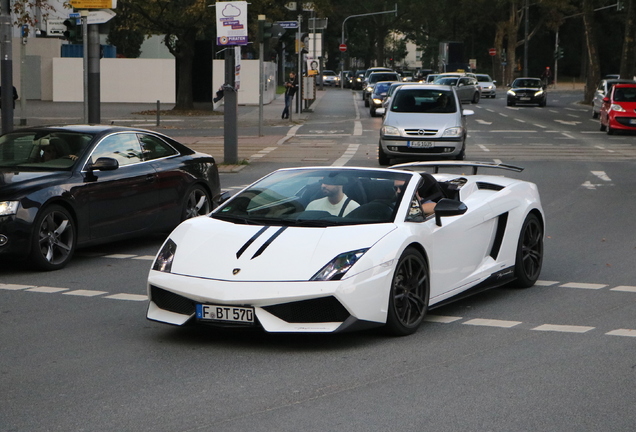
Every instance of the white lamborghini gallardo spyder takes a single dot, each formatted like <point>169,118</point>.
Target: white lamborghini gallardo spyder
<point>266,258</point>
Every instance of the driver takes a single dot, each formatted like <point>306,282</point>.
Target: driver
<point>335,201</point>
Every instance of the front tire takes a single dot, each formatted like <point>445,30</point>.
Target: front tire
<point>529,258</point>
<point>383,158</point>
<point>409,295</point>
<point>476,98</point>
<point>197,203</point>
<point>54,238</point>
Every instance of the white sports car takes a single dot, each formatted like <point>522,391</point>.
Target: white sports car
<point>261,259</point>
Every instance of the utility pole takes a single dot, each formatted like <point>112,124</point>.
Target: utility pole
<point>6,67</point>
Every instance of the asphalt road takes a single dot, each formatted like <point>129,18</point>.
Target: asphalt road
<point>78,354</point>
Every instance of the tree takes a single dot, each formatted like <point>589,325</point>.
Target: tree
<point>24,12</point>
<point>628,58</point>
<point>594,71</point>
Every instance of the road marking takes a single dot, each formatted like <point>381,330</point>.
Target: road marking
<point>357,127</point>
<point>441,319</point>
<point>583,285</point>
<point>492,323</point>
<point>13,287</point>
<point>144,257</point>
<point>624,288</point>
<point>129,297</point>
<point>545,283</point>
<point>569,123</point>
<point>563,328</point>
<point>540,126</point>
<point>347,155</point>
<point>520,121</point>
<point>603,148</point>
<point>622,332</point>
<point>263,152</point>
<point>85,293</point>
<point>602,175</point>
<point>119,256</point>
<point>567,135</point>
<point>484,122</point>
<point>483,147</point>
<point>48,290</point>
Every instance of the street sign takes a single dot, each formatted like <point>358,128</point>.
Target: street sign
<point>100,16</point>
<point>492,51</point>
<point>94,4</point>
<point>342,47</point>
<point>288,24</point>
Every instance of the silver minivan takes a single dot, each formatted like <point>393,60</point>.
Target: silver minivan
<point>423,121</point>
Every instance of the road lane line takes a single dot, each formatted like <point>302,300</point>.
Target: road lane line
<point>545,283</point>
<point>441,319</point>
<point>347,155</point>
<point>563,328</point>
<point>128,297</point>
<point>624,288</point>
<point>85,293</point>
<point>583,285</point>
<point>14,287</point>
<point>492,323</point>
<point>48,290</point>
<point>622,332</point>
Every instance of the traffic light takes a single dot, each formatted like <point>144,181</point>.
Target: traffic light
<point>620,5</point>
<point>264,30</point>
<point>73,32</point>
<point>558,53</point>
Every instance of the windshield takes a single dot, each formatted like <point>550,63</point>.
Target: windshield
<point>42,150</point>
<point>484,78</point>
<point>381,88</point>
<point>527,83</point>
<point>408,100</point>
<point>316,198</point>
<point>625,94</point>
<point>447,81</point>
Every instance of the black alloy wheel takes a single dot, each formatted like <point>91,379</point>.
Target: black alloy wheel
<point>409,296</point>
<point>529,257</point>
<point>54,239</point>
<point>197,203</point>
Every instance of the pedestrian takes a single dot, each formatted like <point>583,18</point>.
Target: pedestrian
<point>15,95</point>
<point>291,87</point>
<point>547,76</point>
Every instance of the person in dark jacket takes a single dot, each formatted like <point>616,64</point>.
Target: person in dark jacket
<point>291,87</point>
<point>15,95</point>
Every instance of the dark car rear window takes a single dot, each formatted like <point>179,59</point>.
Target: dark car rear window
<point>374,78</point>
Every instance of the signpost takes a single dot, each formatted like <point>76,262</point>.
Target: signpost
<point>492,51</point>
<point>342,47</point>
<point>94,4</point>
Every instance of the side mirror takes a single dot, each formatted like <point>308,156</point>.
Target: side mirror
<point>468,112</point>
<point>448,207</point>
<point>104,164</point>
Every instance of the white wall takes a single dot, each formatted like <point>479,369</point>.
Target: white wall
<point>121,80</point>
<point>248,93</point>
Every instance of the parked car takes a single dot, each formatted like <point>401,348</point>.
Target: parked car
<point>71,186</point>
<point>619,109</point>
<point>358,79</point>
<point>467,87</point>
<point>378,95</point>
<point>373,79</point>
<point>527,91</point>
<point>602,90</point>
<point>282,268</point>
<point>488,85</point>
<point>330,78</point>
<point>424,121</point>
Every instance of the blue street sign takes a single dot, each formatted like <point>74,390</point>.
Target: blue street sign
<point>74,15</point>
<point>287,24</point>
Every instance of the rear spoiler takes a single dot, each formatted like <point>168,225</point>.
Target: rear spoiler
<point>437,165</point>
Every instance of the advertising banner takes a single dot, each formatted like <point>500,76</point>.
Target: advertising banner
<point>231,23</point>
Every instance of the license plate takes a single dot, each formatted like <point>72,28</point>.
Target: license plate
<point>421,144</point>
<point>524,98</point>
<point>225,313</point>
<point>632,121</point>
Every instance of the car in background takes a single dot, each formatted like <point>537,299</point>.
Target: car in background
<point>430,78</point>
<point>374,78</point>
<point>619,109</point>
<point>358,79</point>
<point>466,86</point>
<point>392,88</point>
<point>378,96</point>
<point>424,121</point>
<point>284,268</point>
<point>330,78</point>
<point>527,91</point>
<point>345,78</point>
<point>406,76</point>
<point>603,89</point>
<point>487,85</point>
<point>64,187</point>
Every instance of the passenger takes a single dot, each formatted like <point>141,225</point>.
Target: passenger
<point>335,201</point>
<point>427,204</point>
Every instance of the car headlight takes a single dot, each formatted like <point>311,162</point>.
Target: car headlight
<point>539,93</point>
<point>163,262</point>
<point>390,131</point>
<point>454,131</point>
<point>369,89</point>
<point>8,208</point>
<point>377,100</point>
<point>338,266</point>
<point>511,93</point>
<point>617,107</point>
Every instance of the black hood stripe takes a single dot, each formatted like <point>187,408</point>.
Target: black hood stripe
<point>269,242</point>
<point>250,241</point>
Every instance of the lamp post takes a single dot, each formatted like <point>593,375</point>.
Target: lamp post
<point>343,33</point>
